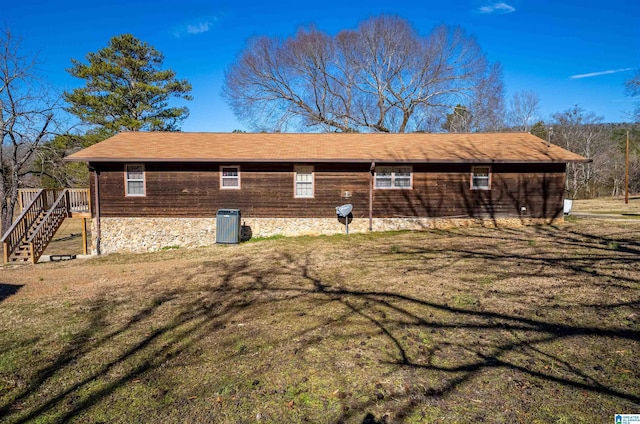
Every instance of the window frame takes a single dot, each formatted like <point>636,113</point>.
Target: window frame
<point>127,180</point>
<point>223,177</point>
<point>312,182</point>
<point>393,177</point>
<point>473,178</point>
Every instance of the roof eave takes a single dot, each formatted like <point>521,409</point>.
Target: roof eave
<point>310,160</point>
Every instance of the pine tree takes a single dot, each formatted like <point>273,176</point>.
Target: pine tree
<point>126,89</point>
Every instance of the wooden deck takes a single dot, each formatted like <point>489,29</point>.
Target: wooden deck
<point>79,200</point>
<point>42,213</point>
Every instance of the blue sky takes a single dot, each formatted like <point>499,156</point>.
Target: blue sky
<point>568,52</point>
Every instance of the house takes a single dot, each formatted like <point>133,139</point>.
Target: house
<point>156,189</point>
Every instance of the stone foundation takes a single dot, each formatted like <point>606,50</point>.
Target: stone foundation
<point>123,235</point>
<point>120,235</point>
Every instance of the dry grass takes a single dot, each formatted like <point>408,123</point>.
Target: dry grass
<point>536,324</point>
<point>615,205</point>
<point>68,239</point>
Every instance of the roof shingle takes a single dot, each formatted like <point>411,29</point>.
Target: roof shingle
<point>324,147</point>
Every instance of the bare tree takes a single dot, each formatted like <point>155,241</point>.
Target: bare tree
<point>614,180</point>
<point>26,120</point>
<point>632,86</point>
<point>380,77</point>
<point>581,132</point>
<point>488,102</point>
<point>524,108</point>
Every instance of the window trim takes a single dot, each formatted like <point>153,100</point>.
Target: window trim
<point>222,178</point>
<point>489,178</point>
<point>394,169</point>
<point>127,180</point>
<point>295,181</point>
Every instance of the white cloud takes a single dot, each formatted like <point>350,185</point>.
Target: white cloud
<point>198,28</point>
<point>500,8</point>
<point>597,74</point>
<point>195,28</point>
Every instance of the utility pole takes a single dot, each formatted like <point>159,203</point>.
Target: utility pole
<point>626,174</point>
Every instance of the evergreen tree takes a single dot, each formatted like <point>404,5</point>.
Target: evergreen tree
<point>53,171</point>
<point>459,120</point>
<point>539,129</point>
<point>126,89</point>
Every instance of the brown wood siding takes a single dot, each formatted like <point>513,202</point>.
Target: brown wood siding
<point>443,190</point>
<point>267,190</point>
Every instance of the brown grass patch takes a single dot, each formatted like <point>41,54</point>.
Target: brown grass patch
<point>614,205</point>
<point>535,324</point>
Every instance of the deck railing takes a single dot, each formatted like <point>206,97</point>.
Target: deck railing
<point>26,195</point>
<point>44,232</point>
<point>20,228</point>
<point>79,200</point>
<point>51,206</point>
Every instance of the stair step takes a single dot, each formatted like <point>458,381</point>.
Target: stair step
<point>22,252</point>
<point>19,260</point>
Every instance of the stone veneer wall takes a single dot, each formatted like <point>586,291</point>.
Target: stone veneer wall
<point>121,235</point>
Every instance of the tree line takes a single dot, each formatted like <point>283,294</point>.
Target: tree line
<point>382,76</point>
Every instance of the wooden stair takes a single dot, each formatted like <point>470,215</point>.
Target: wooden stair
<point>29,235</point>
<point>22,253</point>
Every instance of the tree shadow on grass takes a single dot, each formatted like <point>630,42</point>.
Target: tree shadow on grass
<point>444,344</point>
<point>7,290</point>
<point>144,352</point>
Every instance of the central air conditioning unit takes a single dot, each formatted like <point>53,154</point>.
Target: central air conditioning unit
<point>228,227</point>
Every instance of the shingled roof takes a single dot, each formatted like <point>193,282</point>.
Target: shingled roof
<point>324,147</point>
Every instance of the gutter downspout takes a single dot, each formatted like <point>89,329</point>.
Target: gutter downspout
<point>371,171</point>
<point>96,174</point>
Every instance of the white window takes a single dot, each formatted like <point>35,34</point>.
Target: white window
<point>303,181</point>
<point>134,182</point>
<point>230,177</point>
<point>389,177</point>
<point>480,178</point>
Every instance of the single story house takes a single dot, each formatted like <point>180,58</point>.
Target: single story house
<point>152,190</point>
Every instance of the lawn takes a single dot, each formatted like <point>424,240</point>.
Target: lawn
<point>609,205</point>
<point>522,325</point>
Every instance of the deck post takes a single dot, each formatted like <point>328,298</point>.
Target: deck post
<point>84,236</point>
<point>32,257</point>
